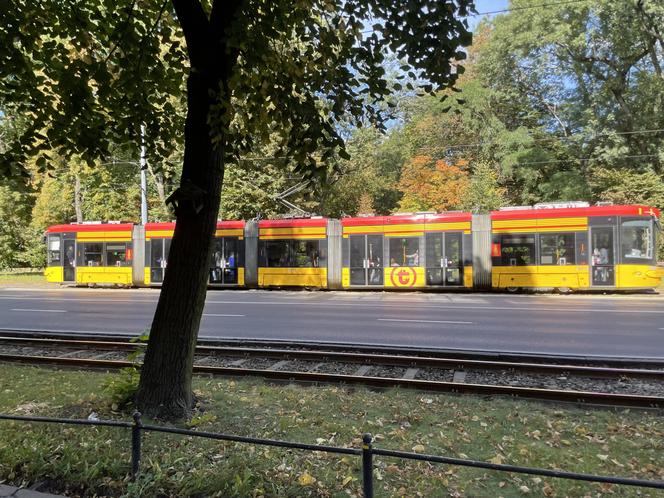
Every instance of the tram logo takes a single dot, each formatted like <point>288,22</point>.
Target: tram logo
<point>403,277</point>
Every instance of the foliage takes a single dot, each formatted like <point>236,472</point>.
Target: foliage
<point>429,185</point>
<point>371,173</point>
<point>121,387</point>
<point>15,203</point>
<point>590,71</point>
<point>88,76</point>
<point>483,194</point>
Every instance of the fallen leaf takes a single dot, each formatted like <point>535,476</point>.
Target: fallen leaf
<point>419,448</point>
<point>306,479</point>
<point>497,460</point>
<point>524,489</point>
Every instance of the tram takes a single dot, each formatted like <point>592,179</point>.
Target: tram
<point>566,246</point>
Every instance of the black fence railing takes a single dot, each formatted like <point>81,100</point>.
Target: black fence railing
<point>367,452</point>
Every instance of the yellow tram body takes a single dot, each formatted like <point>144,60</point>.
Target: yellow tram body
<point>563,247</point>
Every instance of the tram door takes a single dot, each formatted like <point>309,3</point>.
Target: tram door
<point>366,260</point>
<point>69,260</point>
<point>224,261</point>
<point>158,256</point>
<point>602,256</point>
<point>443,259</point>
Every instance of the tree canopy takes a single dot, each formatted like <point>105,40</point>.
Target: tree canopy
<point>89,74</point>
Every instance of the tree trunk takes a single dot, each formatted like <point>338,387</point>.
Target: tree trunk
<point>77,198</point>
<point>159,183</point>
<point>165,388</point>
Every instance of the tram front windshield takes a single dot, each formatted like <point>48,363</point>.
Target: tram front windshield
<point>638,241</point>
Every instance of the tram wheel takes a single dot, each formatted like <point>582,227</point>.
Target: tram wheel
<point>512,290</point>
<point>563,290</point>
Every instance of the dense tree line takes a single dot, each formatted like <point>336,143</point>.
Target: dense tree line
<point>555,104</point>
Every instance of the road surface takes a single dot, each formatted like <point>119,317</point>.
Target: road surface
<point>620,326</point>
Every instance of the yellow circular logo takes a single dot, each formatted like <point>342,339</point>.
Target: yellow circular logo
<point>403,277</point>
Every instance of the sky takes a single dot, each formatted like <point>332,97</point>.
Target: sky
<point>487,6</point>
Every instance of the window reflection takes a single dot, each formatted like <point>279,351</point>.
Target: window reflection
<point>116,254</point>
<point>516,250</point>
<point>92,254</point>
<point>54,251</point>
<point>637,240</point>
<point>557,249</point>
<point>294,253</point>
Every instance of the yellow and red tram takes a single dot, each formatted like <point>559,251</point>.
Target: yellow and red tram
<point>90,253</point>
<point>407,251</point>
<point>598,247</point>
<point>292,252</point>
<point>226,260</point>
<point>550,246</point>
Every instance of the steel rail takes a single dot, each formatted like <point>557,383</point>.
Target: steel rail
<point>369,358</point>
<point>611,399</point>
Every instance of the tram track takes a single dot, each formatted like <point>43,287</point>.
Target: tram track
<point>638,387</point>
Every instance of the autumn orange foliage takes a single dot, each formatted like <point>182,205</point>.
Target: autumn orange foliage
<point>433,185</point>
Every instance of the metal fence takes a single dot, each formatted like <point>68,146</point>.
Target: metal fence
<point>367,452</point>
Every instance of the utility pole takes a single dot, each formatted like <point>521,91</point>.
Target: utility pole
<point>144,179</point>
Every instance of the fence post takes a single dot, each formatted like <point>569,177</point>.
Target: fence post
<point>367,466</point>
<point>136,444</point>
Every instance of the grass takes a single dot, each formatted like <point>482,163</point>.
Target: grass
<point>85,461</point>
<point>22,276</point>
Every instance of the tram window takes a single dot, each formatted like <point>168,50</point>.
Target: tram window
<point>637,240</point>
<point>156,252</point>
<point>54,251</point>
<point>582,248</point>
<point>404,251</point>
<point>92,254</point>
<point>276,253</point>
<point>557,249</point>
<point>231,253</point>
<point>305,254</point>
<point>217,257</point>
<point>116,254</point>
<point>322,253</point>
<point>602,245</point>
<point>517,250</point>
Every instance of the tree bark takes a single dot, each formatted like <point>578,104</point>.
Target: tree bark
<point>165,386</point>
<point>77,198</point>
<point>159,183</point>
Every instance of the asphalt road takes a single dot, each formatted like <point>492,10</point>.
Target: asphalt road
<point>621,326</point>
